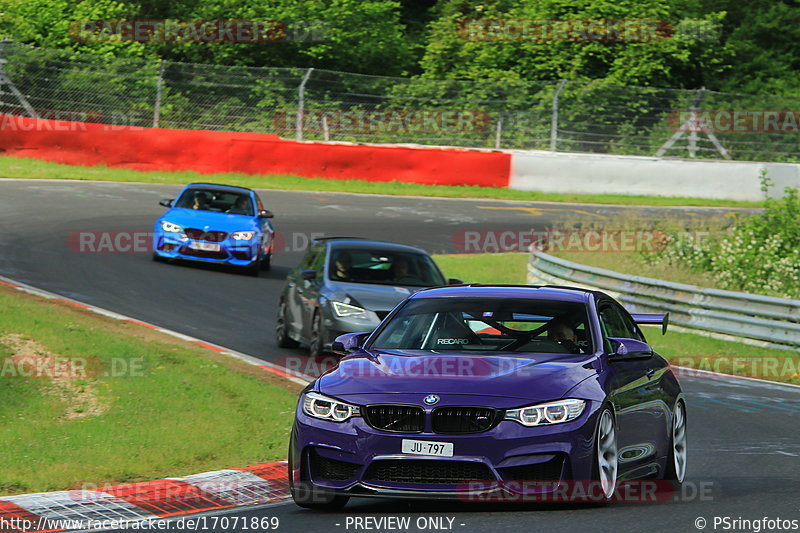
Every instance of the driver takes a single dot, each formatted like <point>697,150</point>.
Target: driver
<point>559,331</point>
<point>343,266</point>
<point>200,201</point>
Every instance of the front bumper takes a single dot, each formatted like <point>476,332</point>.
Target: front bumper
<point>230,252</point>
<point>504,463</point>
<point>335,326</point>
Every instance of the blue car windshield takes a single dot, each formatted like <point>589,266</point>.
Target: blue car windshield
<point>384,268</point>
<point>488,324</point>
<point>233,203</point>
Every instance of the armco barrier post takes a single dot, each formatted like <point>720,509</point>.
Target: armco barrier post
<point>554,119</point>
<point>157,106</point>
<point>301,94</point>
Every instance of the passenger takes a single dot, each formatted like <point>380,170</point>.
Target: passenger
<point>401,270</point>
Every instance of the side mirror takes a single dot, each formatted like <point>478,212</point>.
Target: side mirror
<point>629,348</point>
<point>348,343</point>
<point>166,202</point>
<point>308,275</point>
<point>265,213</point>
<point>455,281</point>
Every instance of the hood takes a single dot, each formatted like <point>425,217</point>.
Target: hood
<point>191,218</point>
<point>373,297</point>
<point>536,377</point>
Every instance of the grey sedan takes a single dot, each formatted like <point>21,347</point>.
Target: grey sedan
<point>347,285</point>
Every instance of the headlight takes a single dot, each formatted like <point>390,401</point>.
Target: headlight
<point>349,311</point>
<point>325,408</point>
<point>243,235</point>
<point>170,227</point>
<point>545,414</point>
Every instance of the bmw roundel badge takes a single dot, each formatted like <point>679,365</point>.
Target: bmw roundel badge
<point>431,399</point>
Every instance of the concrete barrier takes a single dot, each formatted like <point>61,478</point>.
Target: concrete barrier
<point>650,176</point>
<point>80,143</point>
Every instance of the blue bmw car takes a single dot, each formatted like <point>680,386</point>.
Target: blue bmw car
<point>218,224</point>
<point>492,393</point>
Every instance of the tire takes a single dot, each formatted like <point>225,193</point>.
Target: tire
<point>316,346</point>
<point>254,269</point>
<point>308,496</point>
<point>282,337</point>
<point>606,458</point>
<point>266,263</point>
<point>676,460</point>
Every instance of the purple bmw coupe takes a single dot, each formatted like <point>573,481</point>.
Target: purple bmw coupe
<point>491,393</point>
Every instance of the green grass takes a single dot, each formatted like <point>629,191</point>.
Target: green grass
<point>15,167</point>
<point>680,348</point>
<point>632,263</point>
<point>169,408</point>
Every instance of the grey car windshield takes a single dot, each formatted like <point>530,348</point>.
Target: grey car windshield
<point>384,267</point>
<point>488,324</point>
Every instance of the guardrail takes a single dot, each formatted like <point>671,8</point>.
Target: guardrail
<point>764,318</point>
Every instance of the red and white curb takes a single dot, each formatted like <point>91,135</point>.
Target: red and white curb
<point>164,498</point>
<point>116,506</point>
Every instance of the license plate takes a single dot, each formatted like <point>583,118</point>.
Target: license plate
<point>204,246</point>
<point>426,447</point>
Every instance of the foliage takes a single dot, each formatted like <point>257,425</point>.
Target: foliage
<point>758,253</point>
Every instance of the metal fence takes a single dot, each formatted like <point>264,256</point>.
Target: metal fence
<point>773,320</point>
<point>316,104</point>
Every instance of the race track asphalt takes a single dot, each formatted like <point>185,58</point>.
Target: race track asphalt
<point>744,447</point>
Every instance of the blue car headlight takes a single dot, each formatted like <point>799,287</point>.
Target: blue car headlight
<point>170,227</point>
<point>326,408</point>
<point>243,235</point>
<point>544,414</point>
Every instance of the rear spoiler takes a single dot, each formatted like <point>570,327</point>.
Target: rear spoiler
<point>648,319</point>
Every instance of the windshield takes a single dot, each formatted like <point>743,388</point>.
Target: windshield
<point>214,200</point>
<point>487,324</point>
<point>383,267</point>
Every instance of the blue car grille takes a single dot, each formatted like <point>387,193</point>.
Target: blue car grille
<point>427,472</point>
<point>202,235</point>
<point>400,418</point>
<point>457,420</point>
<point>204,254</point>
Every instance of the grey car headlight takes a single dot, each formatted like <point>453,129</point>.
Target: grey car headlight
<point>544,414</point>
<point>344,310</point>
<point>326,408</point>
